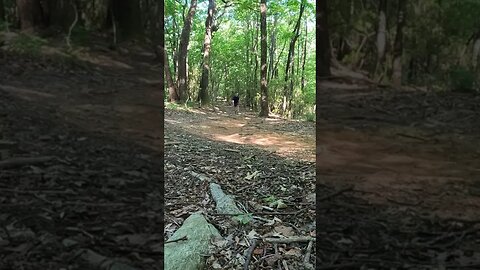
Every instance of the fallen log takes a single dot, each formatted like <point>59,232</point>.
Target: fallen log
<point>187,248</point>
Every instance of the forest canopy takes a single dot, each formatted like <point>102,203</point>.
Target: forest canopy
<point>234,53</point>
<point>439,41</point>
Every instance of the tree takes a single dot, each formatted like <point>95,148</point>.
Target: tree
<point>182,54</point>
<point>398,45</point>
<point>30,14</point>
<point>2,11</point>
<point>263,60</point>
<point>128,16</point>
<point>203,95</point>
<point>323,41</point>
<point>381,36</point>
<point>289,68</point>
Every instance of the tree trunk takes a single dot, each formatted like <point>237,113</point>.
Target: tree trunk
<point>172,91</point>
<point>398,45</point>
<point>154,14</point>
<point>263,60</point>
<point>183,51</point>
<point>203,95</point>
<point>128,16</point>
<point>381,36</point>
<point>323,41</point>
<point>288,88</point>
<point>273,47</point>
<point>30,14</point>
<point>2,11</point>
<point>304,58</point>
<point>252,90</point>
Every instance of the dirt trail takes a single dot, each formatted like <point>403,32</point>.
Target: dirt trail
<point>120,96</point>
<point>397,165</point>
<point>294,139</point>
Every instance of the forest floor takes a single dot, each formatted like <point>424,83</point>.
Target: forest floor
<point>81,163</point>
<point>81,167</point>
<point>253,159</point>
<point>409,165</point>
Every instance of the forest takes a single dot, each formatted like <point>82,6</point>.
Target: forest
<point>398,127</point>
<point>431,44</point>
<point>81,134</point>
<point>215,49</point>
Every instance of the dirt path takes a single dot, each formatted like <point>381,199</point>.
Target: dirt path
<point>405,165</point>
<point>293,139</point>
<point>119,97</point>
<point>433,171</point>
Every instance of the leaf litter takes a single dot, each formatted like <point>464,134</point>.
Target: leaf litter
<point>248,173</point>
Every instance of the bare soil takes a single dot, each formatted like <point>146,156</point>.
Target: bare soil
<point>411,162</point>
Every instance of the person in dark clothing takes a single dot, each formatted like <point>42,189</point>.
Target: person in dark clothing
<point>236,99</point>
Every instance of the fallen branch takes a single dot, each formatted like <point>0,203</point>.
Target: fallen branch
<point>176,240</point>
<point>23,161</point>
<point>249,254</point>
<point>289,240</point>
<point>306,260</point>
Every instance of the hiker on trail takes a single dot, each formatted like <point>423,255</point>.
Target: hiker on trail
<point>236,99</point>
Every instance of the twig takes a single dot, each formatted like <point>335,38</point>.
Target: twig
<point>70,29</point>
<point>22,161</point>
<point>289,240</point>
<point>232,150</point>
<point>285,265</point>
<point>306,260</point>
<point>177,240</point>
<point>249,254</point>
<point>412,137</point>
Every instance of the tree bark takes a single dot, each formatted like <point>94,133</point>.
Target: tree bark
<point>381,35</point>
<point>323,40</point>
<point>30,14</point>
<point>128,16</point>
<point>203,95</point>
<point>304,58</point>
<point>263,60</point>
<point>2,11</point>
<point>289,72</point>
<point>273,47</point>
<point>183,52</point>
<point>398,45</point>
<point>172,91</point>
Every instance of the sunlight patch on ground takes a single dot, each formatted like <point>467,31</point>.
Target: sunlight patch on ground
<point>172,121</point>
<point>281,144</point>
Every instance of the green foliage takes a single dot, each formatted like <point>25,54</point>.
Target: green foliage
<point>270,199</point>
<point>310,117</point>
<point>27,44</point>
<point>233,49</point>
<point>171,106</point>
<point>4,26</point>
<point>244,219</point>
<point>461,79</point>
